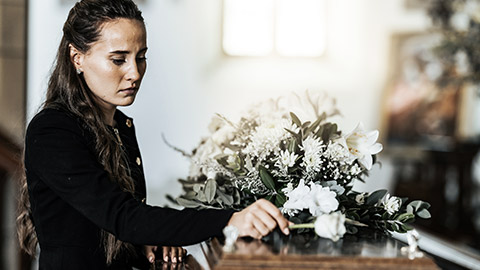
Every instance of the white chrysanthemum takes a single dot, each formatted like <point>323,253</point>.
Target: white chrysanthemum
<point>337,150</point>
<point>362,145</point>
<point>267,137</point>
<point>313,149</point>
<point>390,203</point>
<point>285,160</point>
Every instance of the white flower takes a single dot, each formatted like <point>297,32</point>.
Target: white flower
<point>362,145</point>
<point>287,159</point>
<point>267,137</point>
<point>322,200</point>
<point>297,198</point>
<point>360,198</point>
<point>317,199</point>
<point>330,226</point>
<point>390,204</point>
<point>338,150</point>
<point>313,149</point>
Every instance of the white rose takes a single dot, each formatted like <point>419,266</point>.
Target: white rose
<point>323,200</point>
<point>330,226</point>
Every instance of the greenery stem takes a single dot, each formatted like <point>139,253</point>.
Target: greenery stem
<point>302,226</point>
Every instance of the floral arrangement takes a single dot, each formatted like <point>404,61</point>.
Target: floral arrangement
<point>306,168</point>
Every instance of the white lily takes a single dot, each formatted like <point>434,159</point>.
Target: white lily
<point>362,145</point>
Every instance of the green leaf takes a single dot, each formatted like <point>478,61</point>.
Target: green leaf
<point>424,214</point>
<point>197,187</point>
<point>280,200</point>
<point>292,145</point>
<point>376,196</point>
<point>266,178</point>
<point>210,190</point>
<point>405,217</point>
<point>225,198</point>
<point>407,227</point>
<point>295,119</point>
<point>188,203</point>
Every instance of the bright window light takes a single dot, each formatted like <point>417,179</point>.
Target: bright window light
<point>248,27</point>
<point>300,27</point>
<point>262,27</point>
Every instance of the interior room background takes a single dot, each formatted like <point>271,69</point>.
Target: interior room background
<point>190,77</point>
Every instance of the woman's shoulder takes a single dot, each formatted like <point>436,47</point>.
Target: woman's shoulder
<point>54,118</point>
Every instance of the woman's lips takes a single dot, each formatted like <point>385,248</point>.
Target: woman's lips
<point>129,91</point>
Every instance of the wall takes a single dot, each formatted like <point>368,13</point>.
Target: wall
<point>188,77</point>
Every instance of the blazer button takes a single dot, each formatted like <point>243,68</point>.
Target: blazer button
<point>129,123</point>
<point>139,161</point>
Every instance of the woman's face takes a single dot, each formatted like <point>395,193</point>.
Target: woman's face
<point>114,65</point>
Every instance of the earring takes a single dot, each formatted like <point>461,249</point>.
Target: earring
<point>79,71</point>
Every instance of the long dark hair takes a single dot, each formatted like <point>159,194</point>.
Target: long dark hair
<point>68,91</point>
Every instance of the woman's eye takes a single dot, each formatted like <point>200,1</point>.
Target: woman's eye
<point>118,62</point>
<point>141,59</point>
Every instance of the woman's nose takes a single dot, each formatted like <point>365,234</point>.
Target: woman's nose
<point>134,73</point>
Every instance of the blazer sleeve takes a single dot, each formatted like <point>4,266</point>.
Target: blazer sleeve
<point>57,152</point>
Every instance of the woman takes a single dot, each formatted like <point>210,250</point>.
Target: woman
<point>84,193</point>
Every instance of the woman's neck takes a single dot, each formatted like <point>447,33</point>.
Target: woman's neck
<point>109,116</point>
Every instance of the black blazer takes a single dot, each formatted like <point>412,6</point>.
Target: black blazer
<point>72,198</point>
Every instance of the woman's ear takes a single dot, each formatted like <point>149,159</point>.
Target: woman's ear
<point>76,57</point>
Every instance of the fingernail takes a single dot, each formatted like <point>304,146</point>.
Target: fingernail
<point>165,259</point>
<point>286,231</point>
<point>150,259</point>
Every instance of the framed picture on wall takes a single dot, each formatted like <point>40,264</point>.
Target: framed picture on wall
<point>417,110</point>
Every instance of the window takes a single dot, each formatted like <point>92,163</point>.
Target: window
<point>283,27</point>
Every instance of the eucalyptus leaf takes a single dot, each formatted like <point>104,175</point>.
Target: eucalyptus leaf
<point>210,190</point>
<point>226,198</point>
<point>197,187</point>
<point>189,203</point>
<point>424,213</point>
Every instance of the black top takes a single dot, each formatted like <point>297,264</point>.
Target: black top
<point>72,198</point>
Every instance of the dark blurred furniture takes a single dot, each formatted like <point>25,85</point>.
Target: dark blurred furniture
<point>442,176</point>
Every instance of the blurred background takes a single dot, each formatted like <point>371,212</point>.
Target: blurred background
<point>409,68</point>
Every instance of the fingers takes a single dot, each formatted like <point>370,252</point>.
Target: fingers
<point>166,252</point>
<point>173,254</point>
<point>276,214</point>
<point>150,253</point>
<point>259,219</point>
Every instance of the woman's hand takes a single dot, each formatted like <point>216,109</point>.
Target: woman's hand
<point>173,254</point>
<point>259,219</point>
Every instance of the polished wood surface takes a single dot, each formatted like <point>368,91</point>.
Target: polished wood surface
<point>369,251</point>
